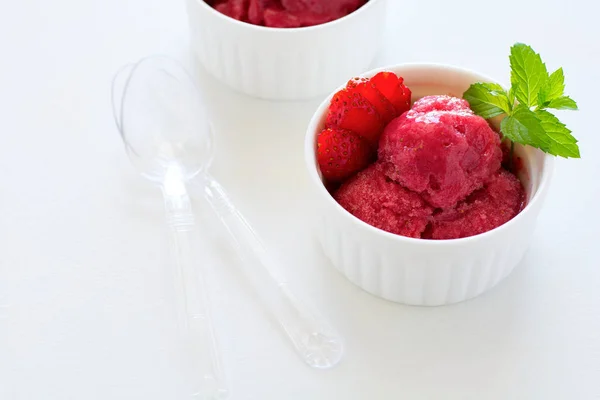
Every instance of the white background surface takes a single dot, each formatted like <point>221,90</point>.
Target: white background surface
<point>83,306</point>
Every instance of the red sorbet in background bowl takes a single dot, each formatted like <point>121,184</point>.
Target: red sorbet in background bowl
<point>286,13</point>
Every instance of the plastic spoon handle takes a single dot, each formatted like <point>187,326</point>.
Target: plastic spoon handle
<point>194,319</point>
<point>313,340</point>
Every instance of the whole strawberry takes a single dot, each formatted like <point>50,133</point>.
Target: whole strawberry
<point>341,153</point>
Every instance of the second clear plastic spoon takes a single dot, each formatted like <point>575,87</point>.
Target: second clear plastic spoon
<point>312,338</point>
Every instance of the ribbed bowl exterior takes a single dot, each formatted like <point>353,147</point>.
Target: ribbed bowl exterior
<point>285,64</point>
<point>417,271</point>
<point>422,275</point>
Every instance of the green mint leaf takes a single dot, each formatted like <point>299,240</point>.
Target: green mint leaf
<point>523,126</point>
<point>487,99</point>
<point>531,89</point>
<point>553,88</point>
<point>562,143</point>
<point>563,103</point>
<point>528,73</point>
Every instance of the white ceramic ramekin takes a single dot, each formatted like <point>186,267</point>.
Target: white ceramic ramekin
<point>417,271</point>
<point>285,64</point>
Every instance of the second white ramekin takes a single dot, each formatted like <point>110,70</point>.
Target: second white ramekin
<point>285,64</point>
<point>417,271</point>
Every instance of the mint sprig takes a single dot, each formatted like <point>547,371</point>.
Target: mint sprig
<point>525,106</point>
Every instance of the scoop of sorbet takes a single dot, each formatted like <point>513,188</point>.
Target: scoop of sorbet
<point>485,209</point>
<point>440,149</point>
<point>326,7</point>
<point>375,199</point>
<point>286,13</point>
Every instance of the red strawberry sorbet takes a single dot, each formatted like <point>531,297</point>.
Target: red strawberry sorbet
<point>377,200</point>
<point>485,209</point>
<point>286,13</point>
<point>440,149</point>
<point>438,174</point>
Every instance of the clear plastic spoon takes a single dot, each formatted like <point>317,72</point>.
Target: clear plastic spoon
<point>167,137</point>
<point>312,338</point>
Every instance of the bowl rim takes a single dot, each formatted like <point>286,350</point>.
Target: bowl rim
<point>287,31</point>
<point>312,166</point>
